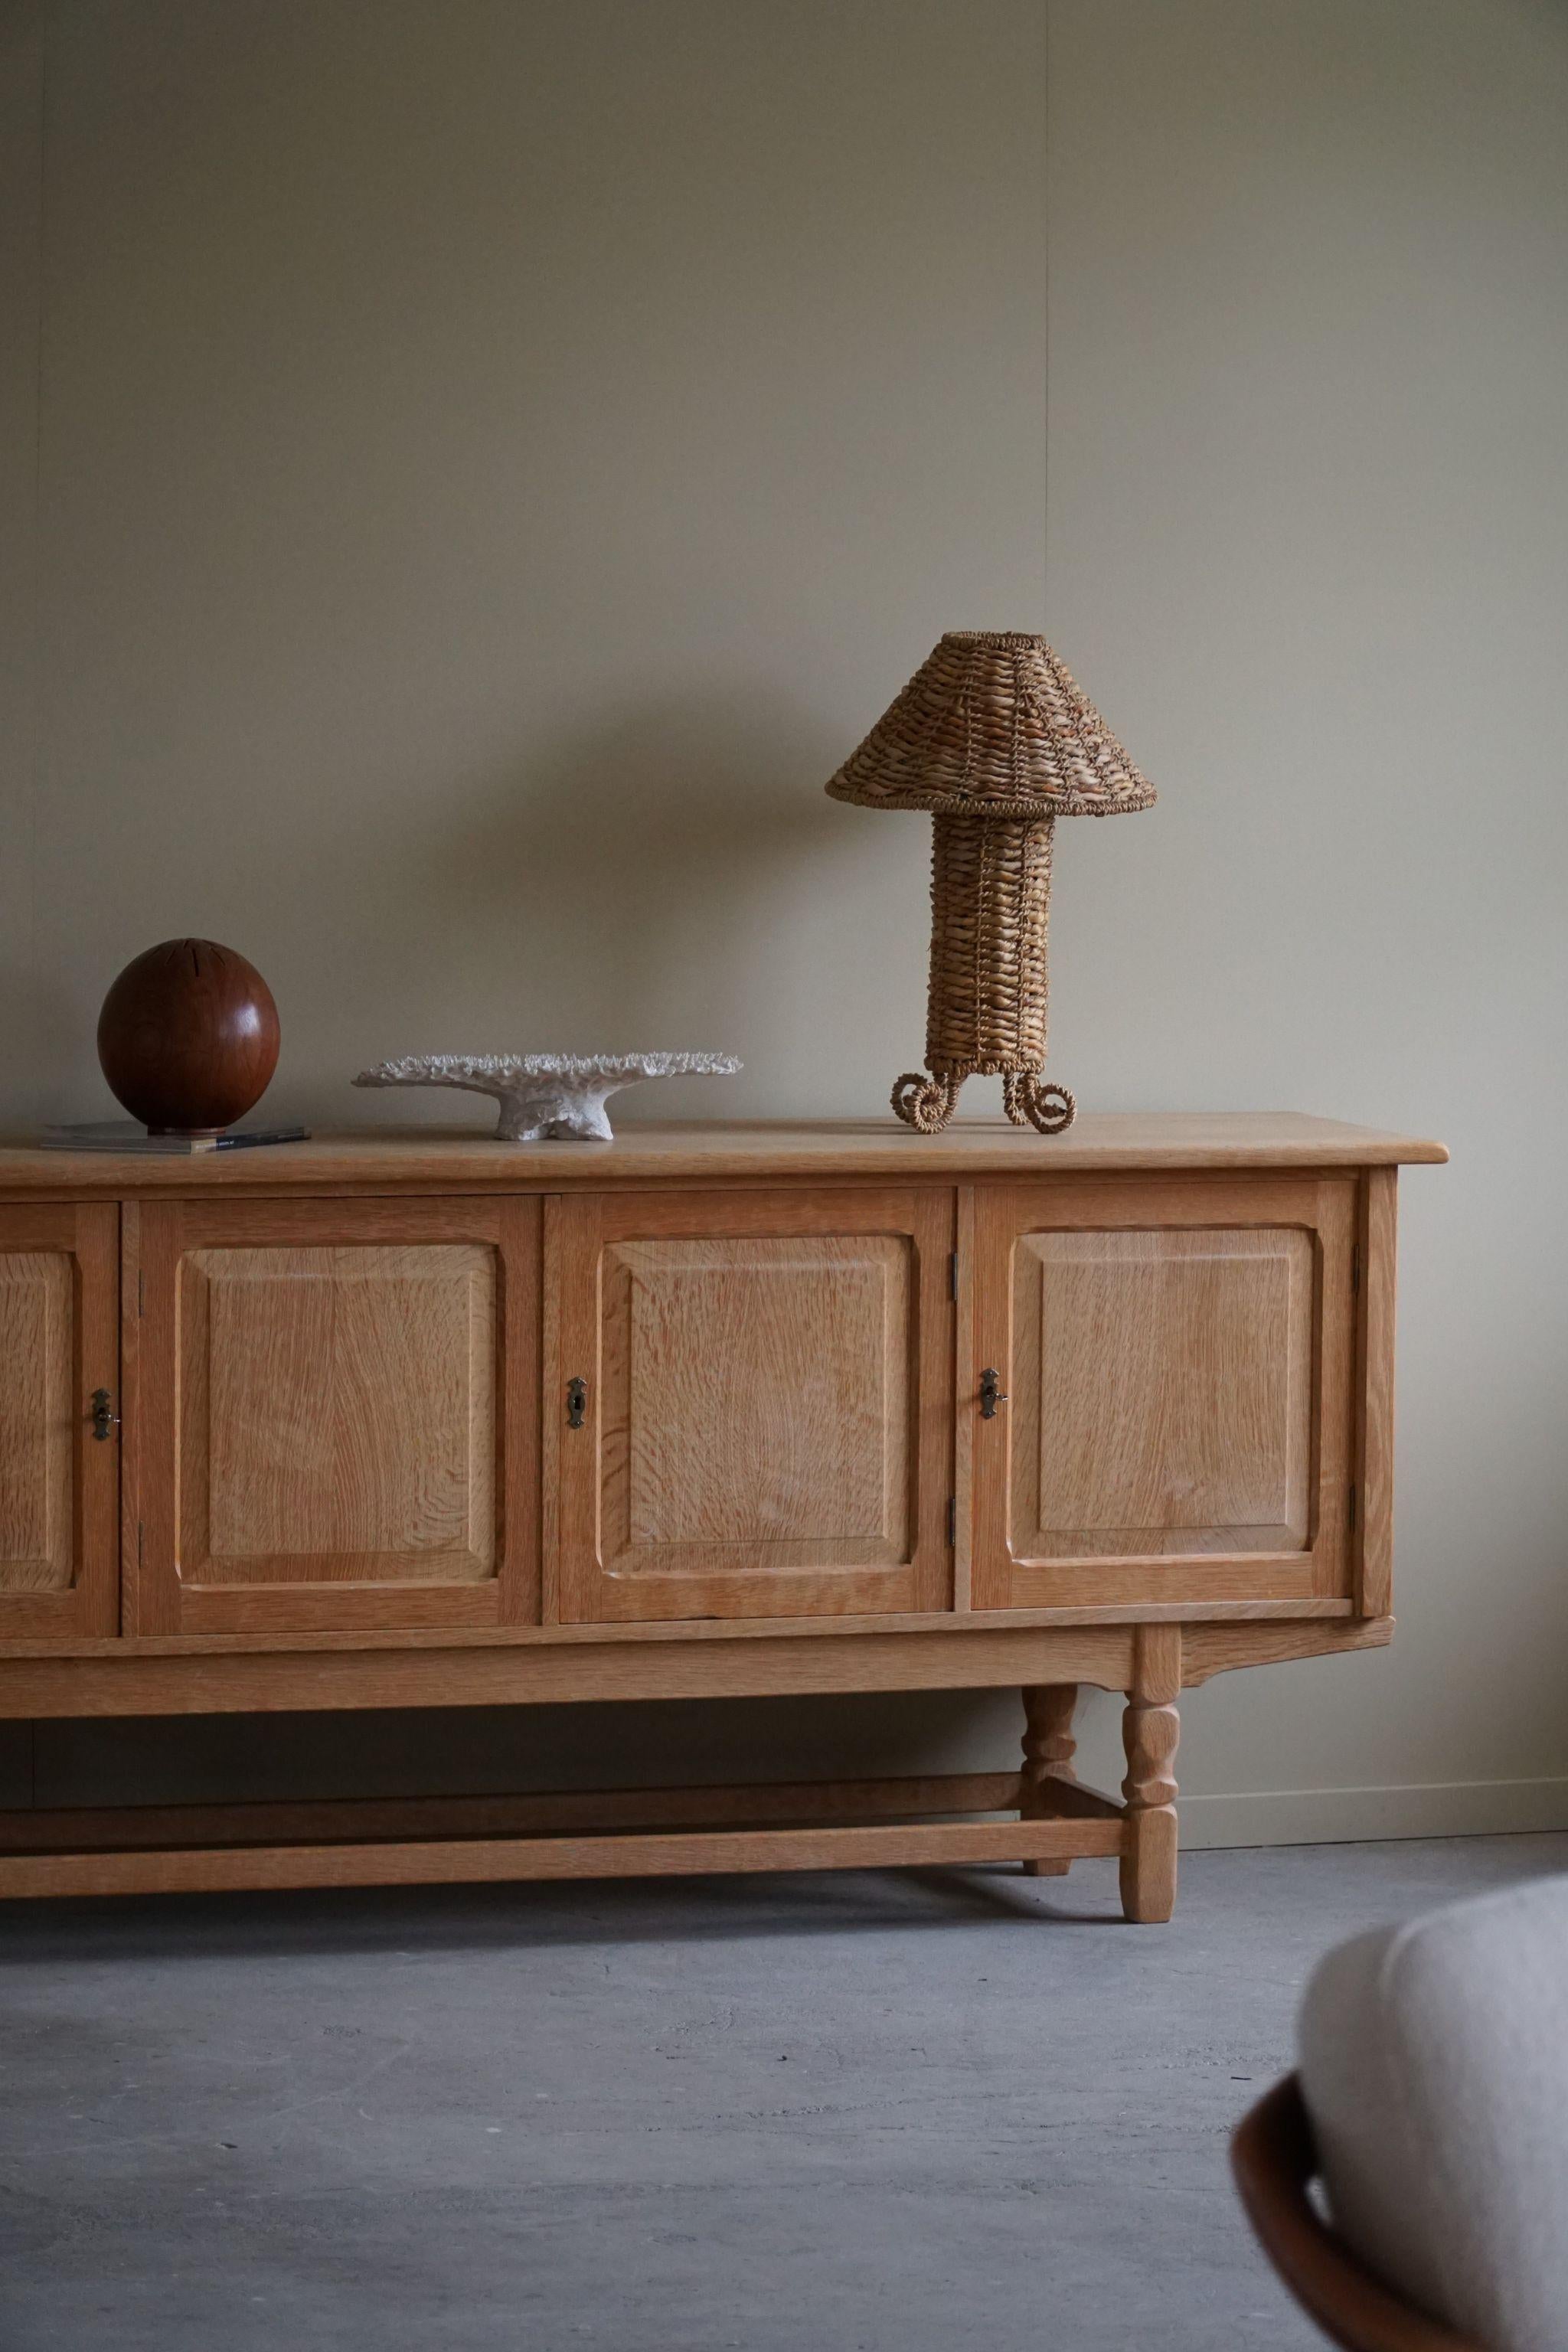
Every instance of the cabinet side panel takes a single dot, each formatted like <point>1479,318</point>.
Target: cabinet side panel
<point>1375,1400</point>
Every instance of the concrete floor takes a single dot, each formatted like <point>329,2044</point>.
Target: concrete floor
<point>860,2114</point>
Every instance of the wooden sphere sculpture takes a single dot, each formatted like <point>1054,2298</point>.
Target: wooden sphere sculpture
<point>992,736</point>
<point>188,1038</point>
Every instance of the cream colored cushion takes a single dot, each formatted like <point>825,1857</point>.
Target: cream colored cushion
<point>1434,2062</point>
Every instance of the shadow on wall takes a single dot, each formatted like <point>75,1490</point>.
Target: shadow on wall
<point>624,888</point>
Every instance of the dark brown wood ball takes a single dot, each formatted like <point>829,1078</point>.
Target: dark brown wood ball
<point>188,1038</point>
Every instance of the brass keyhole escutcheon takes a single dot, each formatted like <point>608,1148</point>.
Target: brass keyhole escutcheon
<point>576,1403</point>
<point>104,1421</point>
<point>992,1393</point>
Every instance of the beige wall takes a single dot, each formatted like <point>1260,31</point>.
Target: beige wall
<point>487,461</point>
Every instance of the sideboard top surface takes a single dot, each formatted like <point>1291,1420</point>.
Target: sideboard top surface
<point>430,1158</point>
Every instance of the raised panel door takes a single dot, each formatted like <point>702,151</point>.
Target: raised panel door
<point>1175,1364</point>
<point>763,1421</point>
<point>350,1426</point>
<point>59,1482</point>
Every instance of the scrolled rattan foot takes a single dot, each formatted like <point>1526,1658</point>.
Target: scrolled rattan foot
<point>1033,1101</point>
<point>924,1103</point>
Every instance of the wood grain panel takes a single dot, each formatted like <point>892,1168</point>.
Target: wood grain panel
<point>337,1414</point>
<point>303,1639</point>
<point>1162,1391</point>
<point>58,1325</point>
<point>939,1656</point>
<point>1209,1650</point>
<point>756,1402</point>
<point>37,1421</point>
<point>767,1428</point>
<point>1178,1362</point>
<point>979,1655</point>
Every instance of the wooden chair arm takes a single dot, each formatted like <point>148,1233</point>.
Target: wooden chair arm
<point>1273,2156</point>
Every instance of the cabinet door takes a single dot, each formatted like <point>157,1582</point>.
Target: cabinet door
<point>764,1426</point>
<point>335,1410</point>
<point>1175,1360</point>
<point>59,1483</point>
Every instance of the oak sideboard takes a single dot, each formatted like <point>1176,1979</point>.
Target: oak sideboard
<point>415,1419</point>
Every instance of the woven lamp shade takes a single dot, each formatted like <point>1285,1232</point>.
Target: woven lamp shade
<point>994,736</point>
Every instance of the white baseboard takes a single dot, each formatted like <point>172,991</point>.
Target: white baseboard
<point>1351,1816</point>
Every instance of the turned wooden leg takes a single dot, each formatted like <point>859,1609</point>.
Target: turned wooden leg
<point>1149,1730</point>
<point>1049,1750</point>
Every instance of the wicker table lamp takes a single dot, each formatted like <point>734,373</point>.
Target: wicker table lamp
<point>992,736</point>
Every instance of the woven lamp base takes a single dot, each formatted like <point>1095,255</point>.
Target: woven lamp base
<point>985,1012</point>
<point>927,1102</point>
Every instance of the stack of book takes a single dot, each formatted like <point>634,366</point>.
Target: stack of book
<point>126,1135</point>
